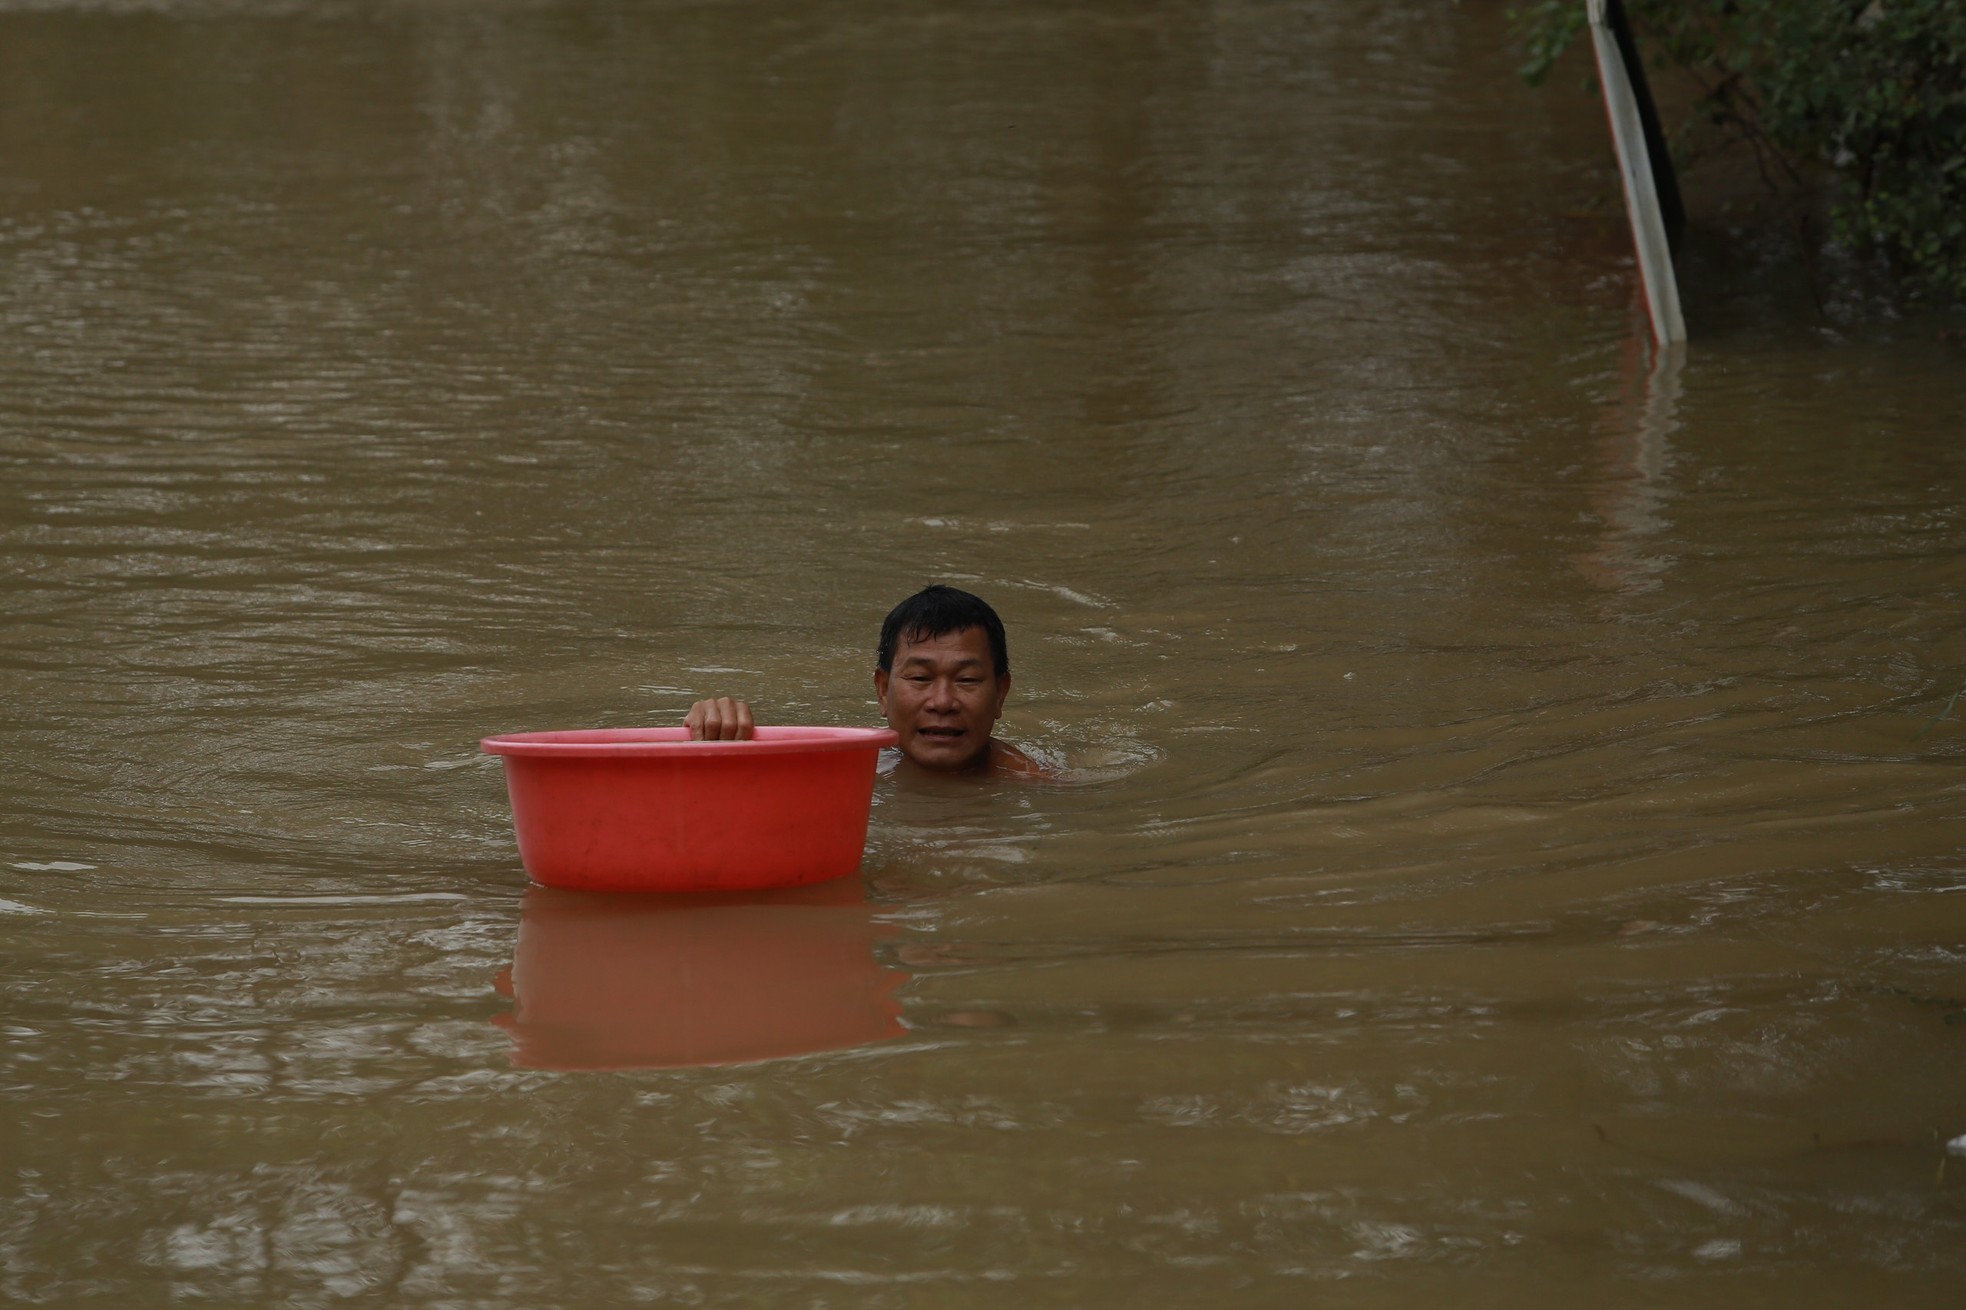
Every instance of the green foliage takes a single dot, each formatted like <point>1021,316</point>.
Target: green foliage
<point>1875,90</point>
<point>1546,30</point>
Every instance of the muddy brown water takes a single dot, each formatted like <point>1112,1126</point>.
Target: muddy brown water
<point>1509,853</point>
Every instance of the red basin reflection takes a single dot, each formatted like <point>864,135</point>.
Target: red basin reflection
<point>641,982</point>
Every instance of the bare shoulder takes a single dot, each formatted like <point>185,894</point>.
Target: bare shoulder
<point>1006,761</point>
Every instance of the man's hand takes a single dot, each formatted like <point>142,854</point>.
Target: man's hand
<point>721,719</point>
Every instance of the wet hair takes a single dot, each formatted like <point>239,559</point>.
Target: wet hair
<point>938,611</point>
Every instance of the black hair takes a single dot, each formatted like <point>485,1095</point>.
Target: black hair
<point>938,611</point>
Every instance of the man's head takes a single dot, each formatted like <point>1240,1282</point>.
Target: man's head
<point>943,673</point>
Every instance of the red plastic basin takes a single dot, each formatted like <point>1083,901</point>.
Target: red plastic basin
<point>647,809</point>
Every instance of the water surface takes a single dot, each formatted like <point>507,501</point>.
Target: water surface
<point>1512,853</point>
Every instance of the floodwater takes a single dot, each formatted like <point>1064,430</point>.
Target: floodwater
<point>1513,849</point>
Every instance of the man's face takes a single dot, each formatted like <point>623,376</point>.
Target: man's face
<point>943,696</point>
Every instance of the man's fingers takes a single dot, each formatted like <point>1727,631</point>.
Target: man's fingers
<point>732,719</point>
<point>722,718</point>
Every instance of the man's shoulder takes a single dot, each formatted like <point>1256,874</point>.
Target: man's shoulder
<point>1006,761</point>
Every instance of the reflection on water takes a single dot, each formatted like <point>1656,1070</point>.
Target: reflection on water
<point>1635,451</point>
<point>650,982</point>
<point>1501,861</point>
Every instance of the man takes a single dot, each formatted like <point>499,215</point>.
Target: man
<point>942,675</point>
